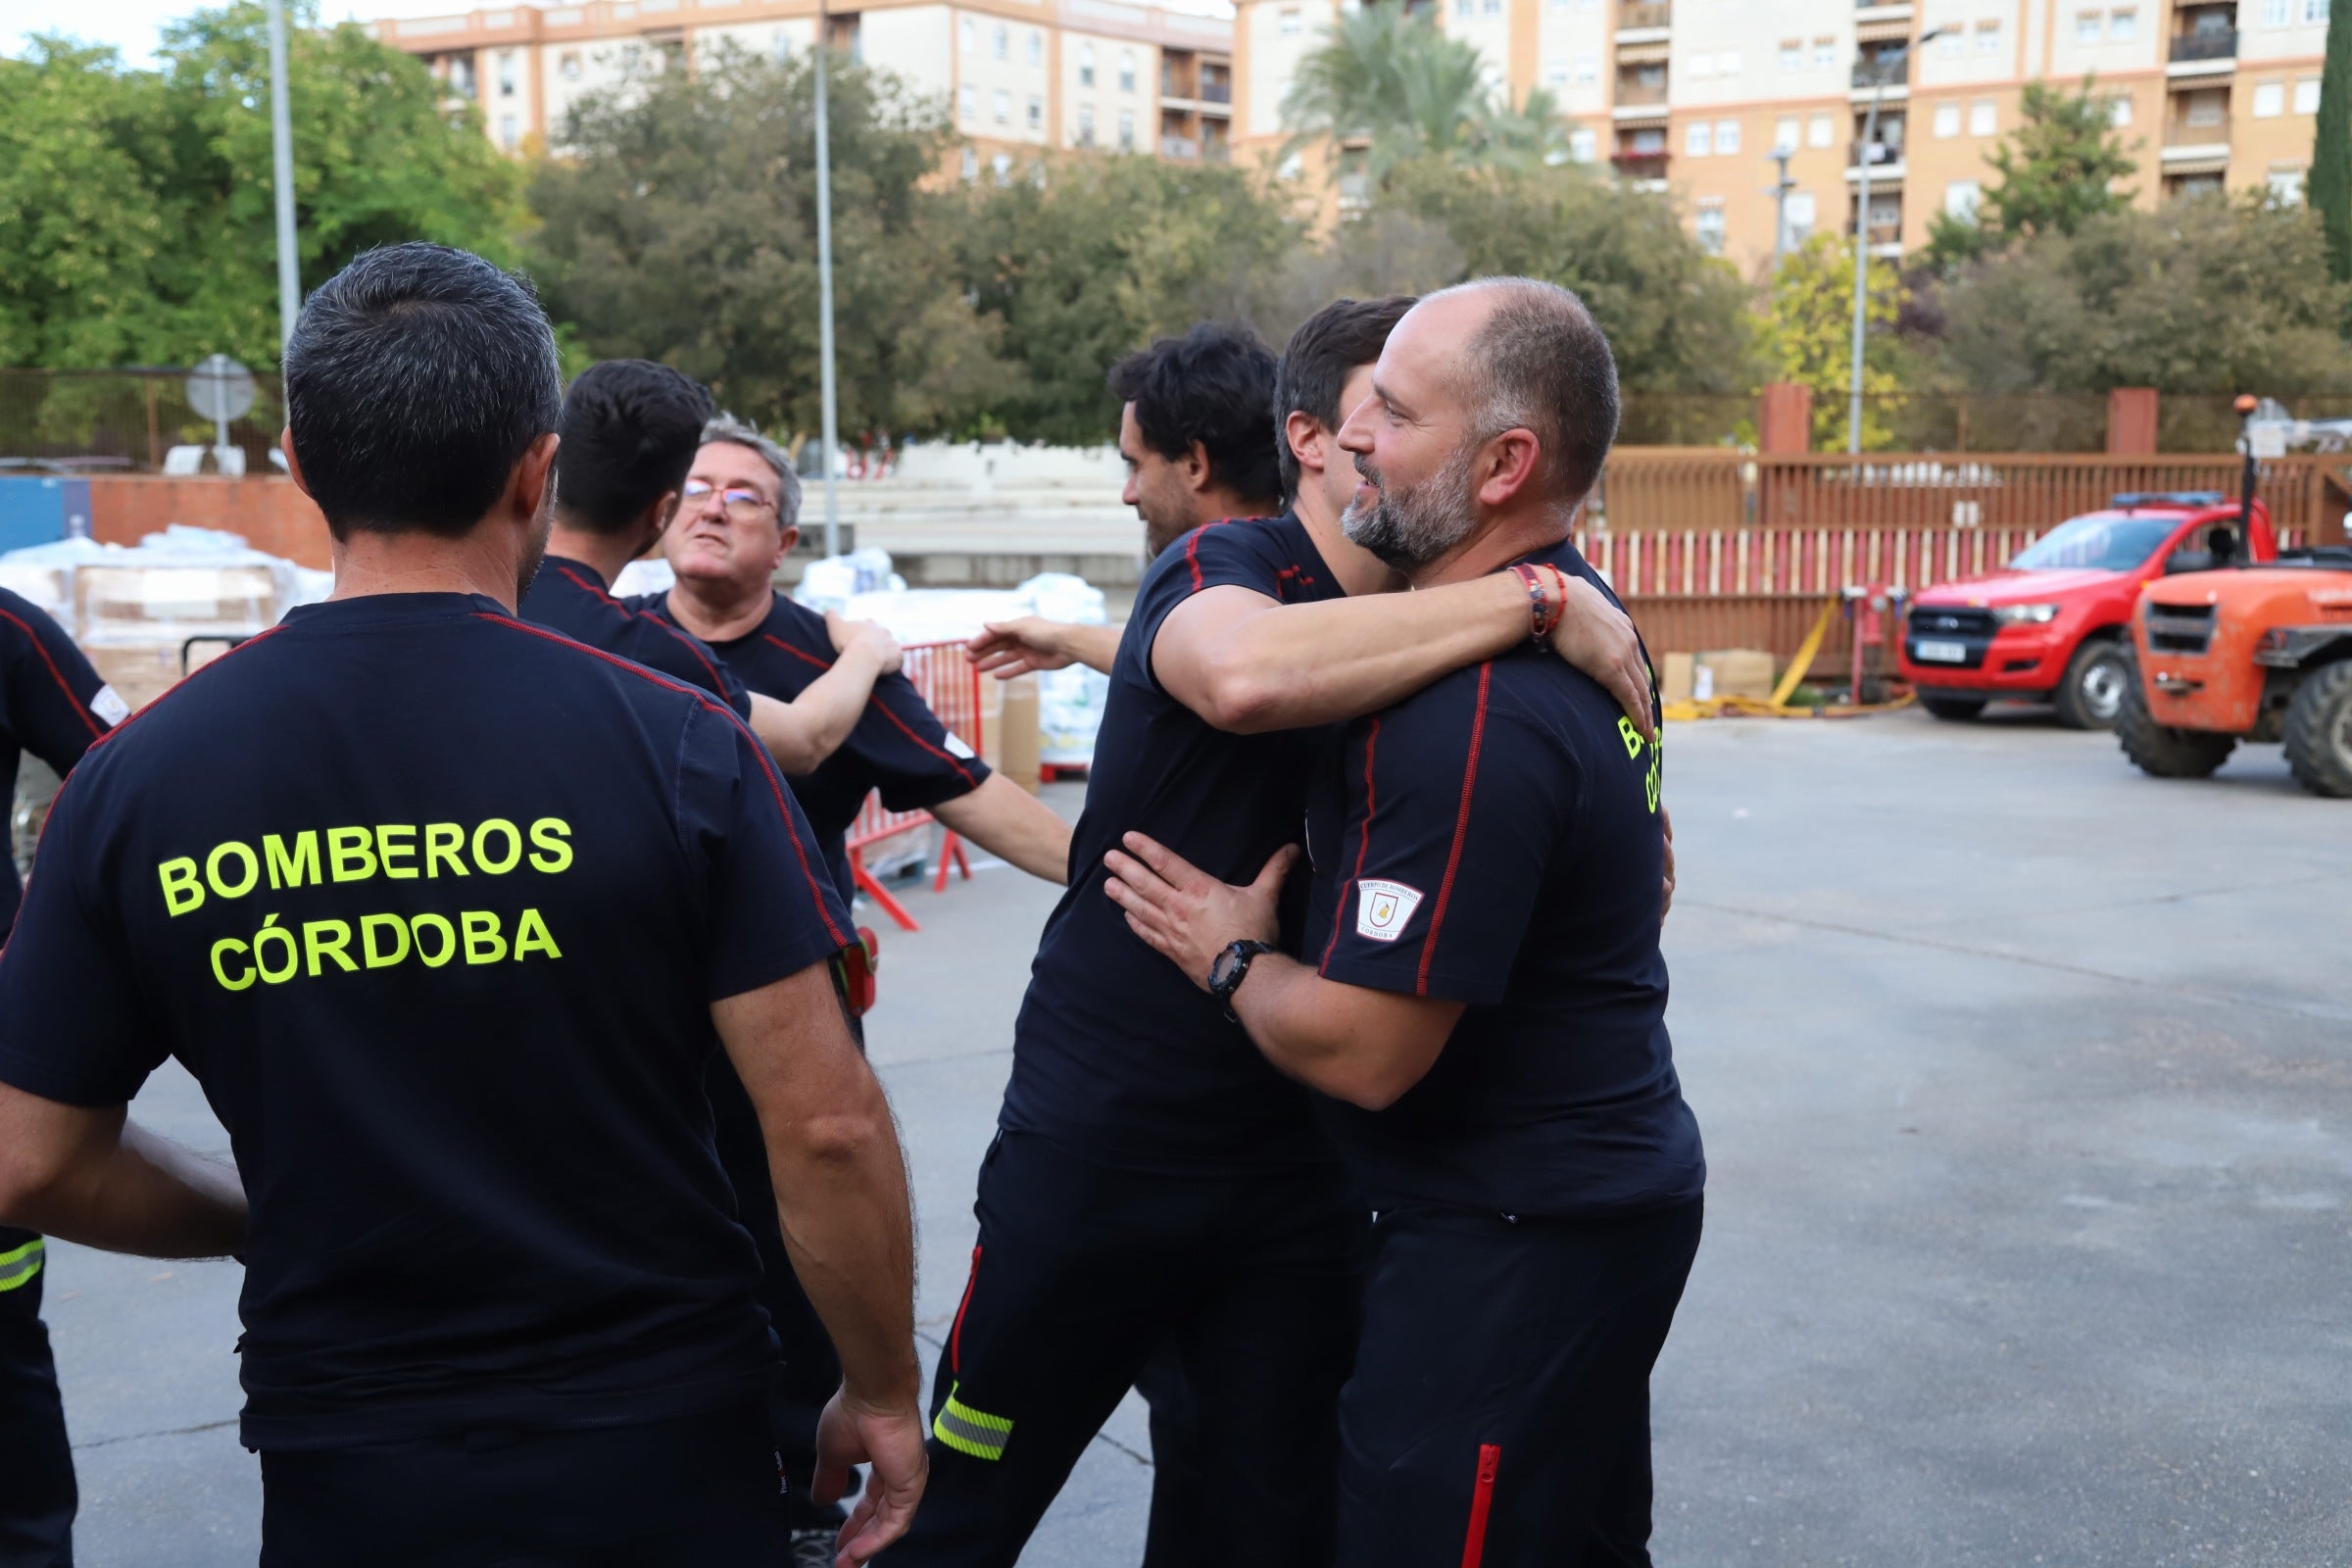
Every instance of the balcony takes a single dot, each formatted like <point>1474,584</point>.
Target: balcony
<point>1217,92</point>
<point>1883,235</point>
<point>1637,94</point>
<point>2204,44</point>
<point>1640,165</point>
<point>1873,74</point>
<point>1641,16</point>
<point>1182,147</point>
<point>1878,154</point>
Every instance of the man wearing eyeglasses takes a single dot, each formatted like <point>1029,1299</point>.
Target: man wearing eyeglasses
<point>629,432</point>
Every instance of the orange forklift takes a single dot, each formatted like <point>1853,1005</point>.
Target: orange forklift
<point>2226,652</point>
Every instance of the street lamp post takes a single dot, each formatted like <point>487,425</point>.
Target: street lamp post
<point>281,158</point>
<point>1869,142</point>
<point>1782,185</point>
<point>824,288</point>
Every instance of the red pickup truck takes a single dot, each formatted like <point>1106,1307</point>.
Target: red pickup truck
<point>2053,625</point>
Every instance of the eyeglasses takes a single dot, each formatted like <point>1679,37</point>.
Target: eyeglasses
<point>740,501</point>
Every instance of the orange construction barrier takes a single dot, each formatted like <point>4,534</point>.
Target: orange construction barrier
<point>943,673</point>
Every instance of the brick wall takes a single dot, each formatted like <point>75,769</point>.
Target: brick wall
<point>269,511</point>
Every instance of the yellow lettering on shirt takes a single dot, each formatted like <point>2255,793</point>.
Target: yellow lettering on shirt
<point>350,854</point>
<point>551,845</point>
<point>234,856</point>
<point>295,869</point>
<point>181,891</point>
<point>442,842</point>
<point>496,828</point>
<point>395,839</point>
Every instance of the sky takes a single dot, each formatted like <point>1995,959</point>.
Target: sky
<point>136,27</point>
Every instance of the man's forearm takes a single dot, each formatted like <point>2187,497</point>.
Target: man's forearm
<point>1095,647</point>
<point>1009,822</point>
<point>1354,1044</point>
<point>140,1193</point>
<point>841,1196</point>
<point>1323,664</point>
<point>805,731</point>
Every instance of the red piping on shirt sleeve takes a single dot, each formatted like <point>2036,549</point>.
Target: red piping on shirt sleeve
<point>1461,829</point>
<point>97,730</point>
<point>802,654</point>
<point>719,682</point>
<point>766,764</point>
<point>1363,840</point>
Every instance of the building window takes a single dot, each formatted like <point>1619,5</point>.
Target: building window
<point>1126,131</point>
<point>1584,146</point>
<point>1126,70</point>
<point>2118,111</point>
<point>1825,54</point>
<point>972,36</point>
<point>2287,186</point>
<point>1727,137</point>
<point>1037,48</point>
<point>1696,66</point>
<point>1695,139</point>
<point>1494,8</point>
<point>1946,122</point>
<point>510,133</point>
<point>1002,166</point>
<point>1981,121</point>
<point>2207,109</point>
<point>1286,23</point>
<point>1989,37</point>
<point>1792,53</point>
<point>1951,43</point>
<point>2307,95</point>
<point>2274,12</point>
<point>2314,11</point>
<point>1785,135</point>
<point>1086,64</point>
<point>2270,100</point>
<point>1001,102</point>
<point>1819,132</point>
<point>1466,9</point>
<point>1587,68</point>
<point>971,165</point>
<point>2086,26</point>
<point>1037,113</point>
<point>1555,70</point>
<point>568,65</point>
<point>2122,26</point>
<point>1798,214</point>
<point>1000,41</point>
<point>968,103</point>
<point>506,74</point>
<point>1086,124</point>
<point>1709,228</point>
<point>1960,199</point>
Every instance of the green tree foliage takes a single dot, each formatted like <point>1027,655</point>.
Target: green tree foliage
<point>1087,258</point>
<point>1389,78</point>
<point>136,212</point>
<point>2214,294</point>
<point>1808,335</point>
<point>2331,183</point>
<point>1677,317</point>
<point>680,226</point>
<point>2057,170</point>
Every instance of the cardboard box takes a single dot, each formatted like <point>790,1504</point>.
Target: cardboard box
<point>1022,739</point>
<point>992,721</point>
<point>150,603</point>
<point>1737,671</point>
<point>1675,673</point>
<point>139,672</point>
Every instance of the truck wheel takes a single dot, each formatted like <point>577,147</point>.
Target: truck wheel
<point>2160,751</point>
<point>2091,695</point>
<point>2319,731</point>
<point>1953,707</point>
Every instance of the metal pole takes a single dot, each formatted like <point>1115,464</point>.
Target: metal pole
<point>281,156</point>
<point>1870,137</point>
<point>1782,185</point>
<point>824,289</point>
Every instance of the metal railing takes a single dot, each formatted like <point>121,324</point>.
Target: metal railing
<point>125,419</point>
<point>1217,92</point>
<point>1633,92</point>
<point>2181,133</point>
<point>1639,166</point>
<point>1179,147</point>
<point>1896,72</point>
<point>2216,43</point>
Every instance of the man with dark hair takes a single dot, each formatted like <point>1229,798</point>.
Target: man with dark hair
<point>630,429</point>
<point>55,705</point>
<point>1156,1187</point>
<point>448,934</point>
<point>1478,988</point>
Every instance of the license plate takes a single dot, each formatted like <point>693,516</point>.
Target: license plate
<point>1940,652</point>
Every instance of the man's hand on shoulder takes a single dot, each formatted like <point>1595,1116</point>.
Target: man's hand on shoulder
<point>869,637</point>
<point>1598,638</point>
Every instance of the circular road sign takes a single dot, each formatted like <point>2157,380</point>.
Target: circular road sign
<point>220,389</point>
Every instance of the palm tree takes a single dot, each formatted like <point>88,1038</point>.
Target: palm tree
<point>1388,81</point>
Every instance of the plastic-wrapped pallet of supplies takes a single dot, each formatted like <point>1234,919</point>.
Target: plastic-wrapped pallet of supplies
<point>1069,701</point>
<point>834,581</point>
<point>647,574</point>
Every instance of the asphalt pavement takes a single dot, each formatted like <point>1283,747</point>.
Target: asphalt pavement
<point>2027,1085</point>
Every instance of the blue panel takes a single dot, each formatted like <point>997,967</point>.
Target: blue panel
<point>33,507</point>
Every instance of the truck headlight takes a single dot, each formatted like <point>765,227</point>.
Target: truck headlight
<point>2026,614</point>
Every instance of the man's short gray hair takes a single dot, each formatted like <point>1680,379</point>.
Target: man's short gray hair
<point>726,428</point>
<point>1543,364</point>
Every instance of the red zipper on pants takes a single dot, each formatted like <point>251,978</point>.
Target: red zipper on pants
<point>1482,1498</point>
<point>955,1336</point>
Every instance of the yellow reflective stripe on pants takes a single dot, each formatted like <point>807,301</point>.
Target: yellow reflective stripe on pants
<point>21,1264</point>
<point>970,1431</point>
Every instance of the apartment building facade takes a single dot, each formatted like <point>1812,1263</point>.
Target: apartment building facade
<point>1017,75</point>
<point>1694,96</point>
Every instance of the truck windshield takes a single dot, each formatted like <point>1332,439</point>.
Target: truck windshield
<point>2105,541</point>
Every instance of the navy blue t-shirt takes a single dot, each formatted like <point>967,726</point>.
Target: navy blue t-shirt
<point>571,598</point>
<point>898,746</point>
<point>52,703</point>
<point>1495,839</point>
<point>434,904</point>
<point>1115,1051</point>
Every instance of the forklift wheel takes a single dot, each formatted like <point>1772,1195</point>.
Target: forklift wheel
<point>2161,751</point>
<point>2319,731</point>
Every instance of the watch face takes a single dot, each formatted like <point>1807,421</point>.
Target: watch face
<point>1220,969</point>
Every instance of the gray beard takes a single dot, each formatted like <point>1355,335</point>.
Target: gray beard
<point>1411,528</point>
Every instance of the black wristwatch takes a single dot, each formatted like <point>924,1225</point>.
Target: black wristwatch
<point>1230,967</point>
